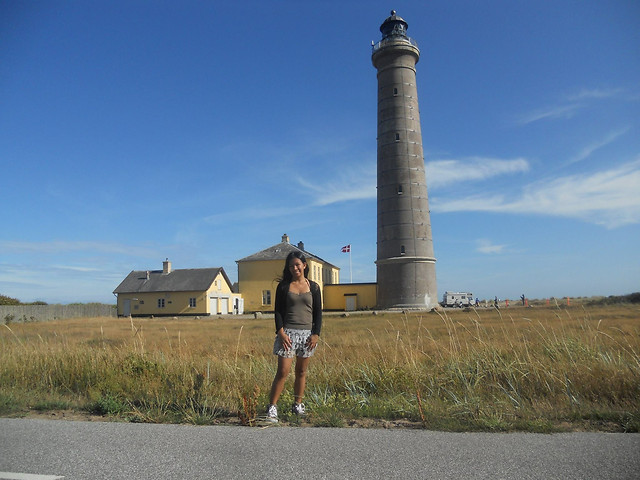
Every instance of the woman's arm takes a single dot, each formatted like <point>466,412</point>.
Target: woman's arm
<point>316,325</point>
<point>280,306</point>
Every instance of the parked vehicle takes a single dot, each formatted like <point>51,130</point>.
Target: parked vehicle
<point>457,299</point>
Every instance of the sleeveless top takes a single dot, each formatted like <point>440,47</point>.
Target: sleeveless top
<point>299,311</point>
<point>281,307</point>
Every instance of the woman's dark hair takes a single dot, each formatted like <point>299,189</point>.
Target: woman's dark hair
<point>286,274</point>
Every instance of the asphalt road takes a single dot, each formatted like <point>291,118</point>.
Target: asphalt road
<point>103,450</point>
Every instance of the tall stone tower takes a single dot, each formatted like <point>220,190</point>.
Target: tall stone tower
<point>406,264</point>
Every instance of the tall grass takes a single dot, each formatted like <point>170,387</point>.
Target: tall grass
<point>535,369</point>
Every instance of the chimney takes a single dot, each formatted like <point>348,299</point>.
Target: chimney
<point>285,238</point>
<point>147,274</point>
<point>166,267</point>
<point>301,245</point>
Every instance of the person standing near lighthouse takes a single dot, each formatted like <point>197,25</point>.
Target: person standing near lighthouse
<point>298,321</point>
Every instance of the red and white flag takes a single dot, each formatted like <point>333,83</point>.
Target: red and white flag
<point>346,248</point>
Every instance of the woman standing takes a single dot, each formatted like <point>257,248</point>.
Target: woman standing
<point>298,317</point>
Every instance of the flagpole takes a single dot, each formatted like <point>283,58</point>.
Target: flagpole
<point>347,249</point>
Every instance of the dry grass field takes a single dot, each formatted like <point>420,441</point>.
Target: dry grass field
<point>534,369</point>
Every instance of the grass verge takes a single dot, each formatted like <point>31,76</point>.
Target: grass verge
<point>529,369</point>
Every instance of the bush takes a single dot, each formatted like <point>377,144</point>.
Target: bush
<point>4,300</point>
<point>108,405</point>
<point>616,299</point>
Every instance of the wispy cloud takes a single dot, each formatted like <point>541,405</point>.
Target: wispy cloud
<point>71,246</point>
<point>58,283</point>
<point>359,183</point>
<point>254,213</point>
<point>75,268</point>
<point>610,198</point>
<point>564,111</point>
<point>598,93</point>
<point>316,189</point>
<point>569,105</point>
<point>441,173</point>
<point>589,149</point>
<point>486,246</point>
<point>353,183</point>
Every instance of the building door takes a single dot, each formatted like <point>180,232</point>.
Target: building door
<point>224,306</point>
<point>213,305</point>
<point>351,302</point>
<point>126,307</point>
<point>239,306</point>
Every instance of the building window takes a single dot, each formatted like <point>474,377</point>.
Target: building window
<point>161,303</point>
<point>266,297</point>
<point>192,302</point>
<point>402,252</point>
<point>219,282</point>
<point>395,91</point>
<point>399,189</point>
<point>397,137</point>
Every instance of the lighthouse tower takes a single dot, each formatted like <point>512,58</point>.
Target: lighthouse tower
<point>406,272</point>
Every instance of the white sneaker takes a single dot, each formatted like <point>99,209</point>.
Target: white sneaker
<point>298,409</point>
<point>272,414</point>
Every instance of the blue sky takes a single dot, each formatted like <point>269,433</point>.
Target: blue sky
<point>133,131</point>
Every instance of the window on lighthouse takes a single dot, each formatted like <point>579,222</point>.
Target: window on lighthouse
<point>397,137</point>
<point>399,189</point>
<point>395,91</point>
<point>402,252</point>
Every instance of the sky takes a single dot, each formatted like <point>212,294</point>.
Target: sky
<point>134,131</point>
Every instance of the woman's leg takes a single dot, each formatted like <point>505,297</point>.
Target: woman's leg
<point>284,366</point>
<point>301,378</point>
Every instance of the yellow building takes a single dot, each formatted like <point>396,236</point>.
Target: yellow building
<point>195,291</point>
<point>350,296</point>
<point>259,274</point>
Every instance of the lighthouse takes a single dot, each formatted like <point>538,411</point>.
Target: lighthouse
<point>405,265</point>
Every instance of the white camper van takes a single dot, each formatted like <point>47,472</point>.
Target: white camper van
<point>457,299</point>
